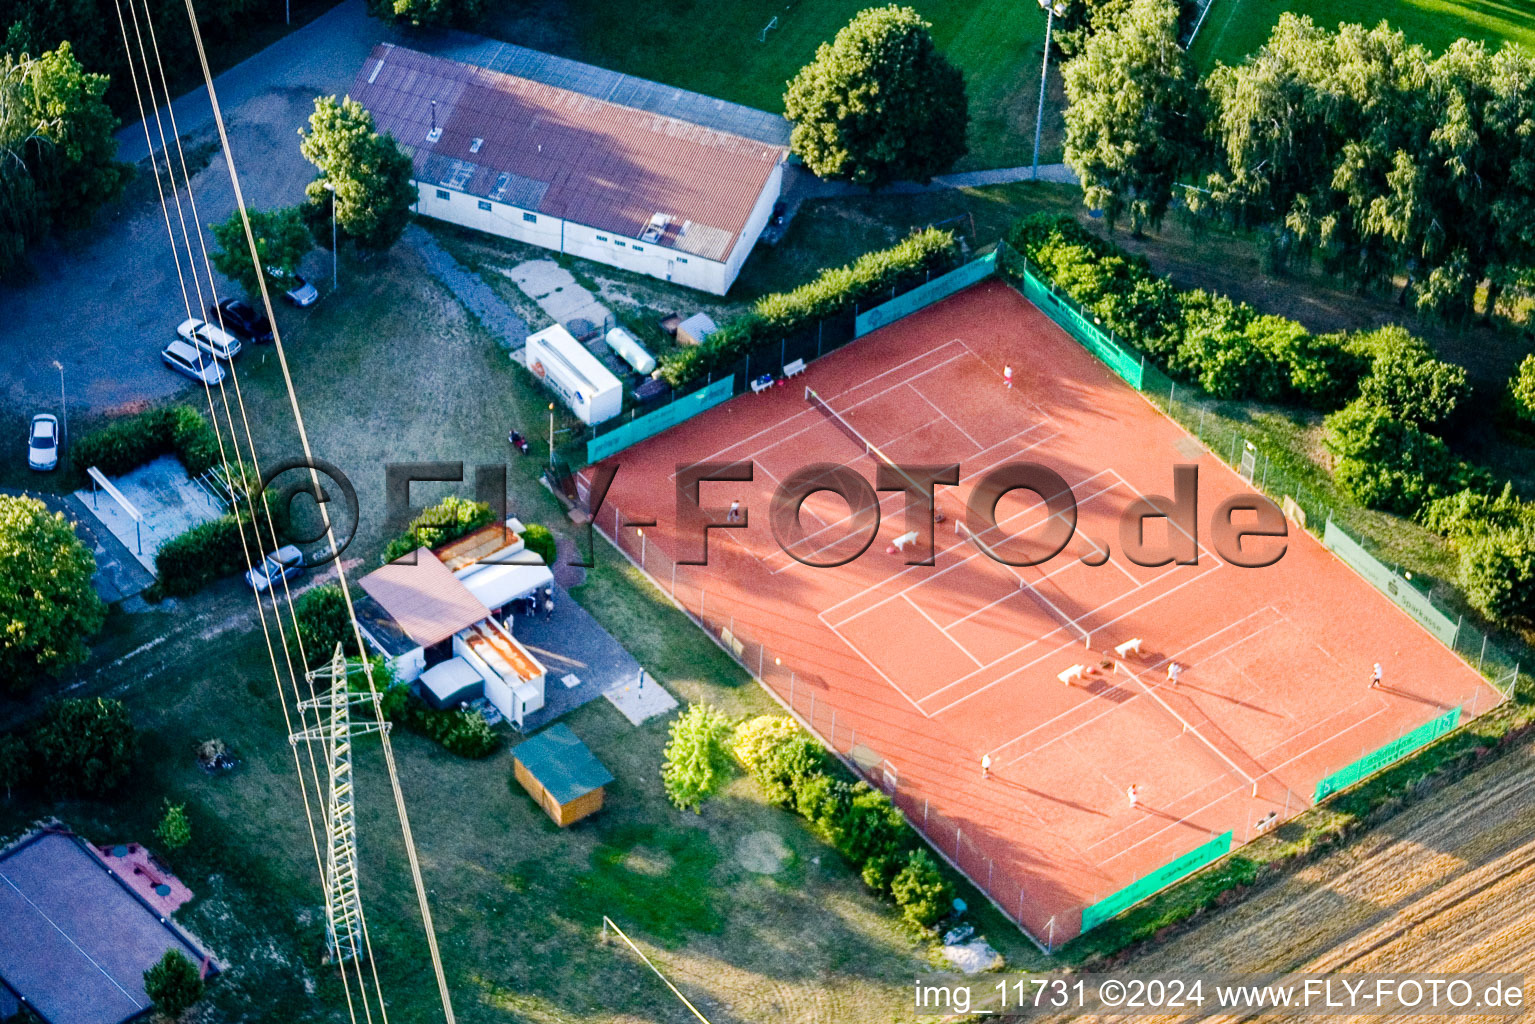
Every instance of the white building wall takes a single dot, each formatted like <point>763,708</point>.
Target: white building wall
<point>588,243</point>
<point>771,190</point>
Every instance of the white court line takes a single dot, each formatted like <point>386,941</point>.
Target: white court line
<point>1184,820</point>
<point>945,632</point>
<point>70,939</point>
<point>1003,678</point>
<point>858,651</point>
<point>811,412</point>
<point>979,447</point>
<point>930,577</point>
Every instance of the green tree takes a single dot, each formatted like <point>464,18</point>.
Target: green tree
<point>282,240</point>
<point>174,984</point>
<point>1381,462</point>
<point>47,606</point>
<point>175,828</point>
<point>1521,390</point>
<point>879,103</point>
<point>323,622</point>
<point>57,152</point>
<point>428,12</point>
<point>369,172</point>
<point>1497,570</point>
<point>1079,20</point>
<point>84,745</point>
<point>1134,121</point>
<point>696,763</point>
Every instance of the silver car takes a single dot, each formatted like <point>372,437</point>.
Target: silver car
<point>193,362</point>
<point>211,338</point>
<point>283,564</point>
<point>43,442</point>
<point>301,293</point>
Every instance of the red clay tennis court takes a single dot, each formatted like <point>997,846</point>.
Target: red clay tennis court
<point>920,671</point>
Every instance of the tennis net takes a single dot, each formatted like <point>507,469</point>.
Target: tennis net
<point>1190,727</point>
<point>1056,611</point>
<point>870,449</point>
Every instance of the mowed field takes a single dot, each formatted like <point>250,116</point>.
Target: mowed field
<point>1235,28</point>
<point>714,48</point>
<point>1443,887</point>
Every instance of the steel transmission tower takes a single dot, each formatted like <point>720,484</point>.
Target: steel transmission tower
<point>343,908</point>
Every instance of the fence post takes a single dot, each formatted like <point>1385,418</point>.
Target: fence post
<point>1482,657</point>
<point>674,579</point>
<point>791,689</point>
<point>833,729</point>
<point>761,657</point>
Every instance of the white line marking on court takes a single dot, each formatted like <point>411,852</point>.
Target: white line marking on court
<point>855,649</point>
<point>979,447</point>
<point>70,939</point>
<point>945,632</point>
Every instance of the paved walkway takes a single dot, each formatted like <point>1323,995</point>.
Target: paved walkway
<point>478,297</point>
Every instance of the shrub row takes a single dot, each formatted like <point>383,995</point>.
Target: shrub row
<point>832,293</point>
<point>858,820</point>
<point>460,731</point>
<point>448,520</point>
<point>126,444</point>
<point>208,551</point>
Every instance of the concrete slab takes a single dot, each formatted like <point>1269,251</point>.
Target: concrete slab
<point>170,504</point>
<point>573,644</point>
<point>641,699</point>
<point>557,292</point>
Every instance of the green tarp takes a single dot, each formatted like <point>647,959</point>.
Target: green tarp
<point>562,764</point>
<point>1158,880</point>
<point>1392,752</point>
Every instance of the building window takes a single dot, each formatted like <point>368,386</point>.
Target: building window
<point>442,193</point>
<point>530,218</point>
<point>484,205</point>
<point>682,259</point>
<point>639,248</point>
<point>602,238</point>
<point>619,244</point>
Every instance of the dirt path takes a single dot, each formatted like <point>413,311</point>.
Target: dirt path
<point>1444,887</point>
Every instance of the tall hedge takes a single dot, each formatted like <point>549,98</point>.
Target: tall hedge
<point>126,444</point>
<point>191,560</point>
<point>833,293</point>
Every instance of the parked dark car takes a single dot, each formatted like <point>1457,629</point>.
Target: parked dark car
<point>241,318</point>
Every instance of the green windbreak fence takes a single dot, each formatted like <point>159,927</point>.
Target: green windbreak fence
<point>1158,880</point>
<point>925,295</point>
<point>1392,752</point>
<point>1402,593</point>
<point>664,418</point>
<point>1079,324</point>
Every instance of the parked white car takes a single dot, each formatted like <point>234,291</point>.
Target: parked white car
<point>43,442</point>
<point>212,339</point>
<point>283,564</point>
<point>192,361</point>
<point>301,293</point>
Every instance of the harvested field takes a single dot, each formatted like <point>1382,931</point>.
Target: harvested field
<point>1444,887</point>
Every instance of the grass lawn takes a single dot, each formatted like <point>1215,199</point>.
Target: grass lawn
<point>713,48</point>
<point>392,369</point>
<point>1235,28</point>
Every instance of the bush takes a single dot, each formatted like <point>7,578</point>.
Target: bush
<point>460,731</point>
<point>920,889</point>
<point>833,293</point>
<point>174,984</point>
<point>1384,463</point>
<point>175,829</point>
<point>541,542</point>
<point>208,551</point>
<point>126,444</point>
<point>1469,512</point>
<point>1497,570</point>
<point>84,746</point>
<point>695,765</point>
<point>1415,388</point>
<point>394,696</point>
<point>871,826</point>
<point>755,739</point>
<point>781,771</point>
<point>446,521</point>
<point>323,622</point>
<point>1521,390</point>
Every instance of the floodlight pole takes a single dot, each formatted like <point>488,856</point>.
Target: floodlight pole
<point>335,257</point>
<point>343,904</point>
<point>1044,72</point>
<point>63,409</point>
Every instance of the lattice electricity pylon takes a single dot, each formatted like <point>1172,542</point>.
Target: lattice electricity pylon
<point>343,907</point>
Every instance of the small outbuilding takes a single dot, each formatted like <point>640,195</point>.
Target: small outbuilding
<point>696,329</point>
<point>561,774</point>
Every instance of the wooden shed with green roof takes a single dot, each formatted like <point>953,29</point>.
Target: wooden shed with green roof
<point>561,774</point>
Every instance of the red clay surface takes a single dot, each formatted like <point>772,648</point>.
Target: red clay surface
<point>922,670</point>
